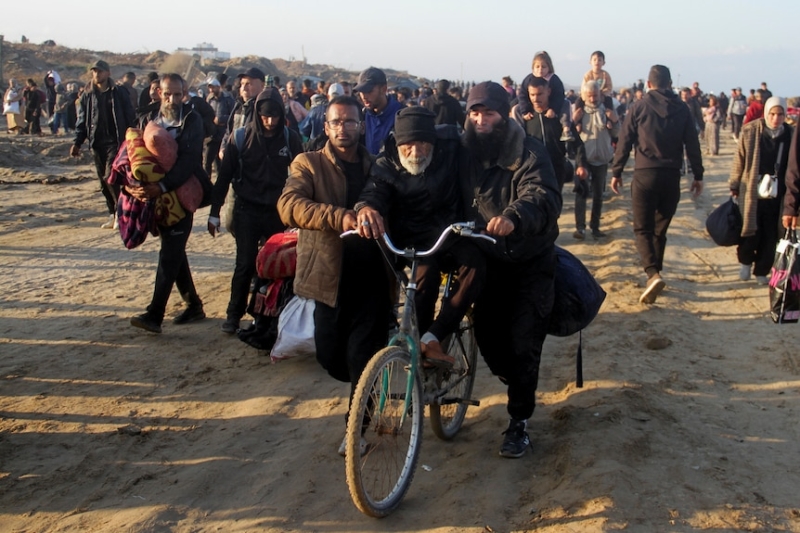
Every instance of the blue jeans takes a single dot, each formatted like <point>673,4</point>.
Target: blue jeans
<point>59,119</point>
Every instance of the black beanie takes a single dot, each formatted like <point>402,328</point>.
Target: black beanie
<point>415,123</point>
<point>490,94</point>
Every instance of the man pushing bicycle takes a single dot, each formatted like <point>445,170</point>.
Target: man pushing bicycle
<point>508,184</point>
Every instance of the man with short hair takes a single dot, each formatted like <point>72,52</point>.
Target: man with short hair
<point>127,81</point>
<point>186,126</point>
<point>418,194</point>
<point>104,114</point>
<point>251,83</point>
<point>346,277</point>
<point>694,110</point>
<point>508,183</point>
<point>549,130</point>
<point>379,108</point>
<point>258,170</point>
<point>445,107</point>
<point>222,103</point>
<point>291,90</point>
<point>660,127</point>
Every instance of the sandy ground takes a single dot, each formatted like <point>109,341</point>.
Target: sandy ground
<point>688,420</point>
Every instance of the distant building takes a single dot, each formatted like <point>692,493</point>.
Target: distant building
<point>206,51</point>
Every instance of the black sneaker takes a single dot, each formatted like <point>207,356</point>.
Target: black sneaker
<point>230,326</point>
<point>146,322</point>
<point>190,314</point>
<point>516,440</point>
<point>597,234</point>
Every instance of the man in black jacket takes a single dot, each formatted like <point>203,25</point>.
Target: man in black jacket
<point>508,183</point>
<point>256,160</point>
<point>104,114</point>
<point>186,126</point>
<point>446,108</point>
<point>549,130</point>
<point>416,190</point>
<point>659,126</point>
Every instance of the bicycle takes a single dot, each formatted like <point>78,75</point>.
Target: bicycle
<point>384,428</point>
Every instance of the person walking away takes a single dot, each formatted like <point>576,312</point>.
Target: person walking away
<point>660,127</point>
<point>764,148</point>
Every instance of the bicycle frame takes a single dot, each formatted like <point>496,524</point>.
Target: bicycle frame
<point>408,334</point>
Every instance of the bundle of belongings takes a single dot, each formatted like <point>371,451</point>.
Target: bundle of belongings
<point>275,269</point>
<point>145,157</point>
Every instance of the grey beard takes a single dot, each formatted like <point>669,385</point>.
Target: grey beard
<point>415,166</point>
<point>170,112</point>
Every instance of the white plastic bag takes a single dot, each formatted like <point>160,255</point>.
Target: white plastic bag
<point>295,330</point>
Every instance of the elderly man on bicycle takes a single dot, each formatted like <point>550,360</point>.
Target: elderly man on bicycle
<point>416,192</point>
<point>509,184</point>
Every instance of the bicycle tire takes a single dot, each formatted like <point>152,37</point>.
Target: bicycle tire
<point>447,418</point>
<point>379,479</point>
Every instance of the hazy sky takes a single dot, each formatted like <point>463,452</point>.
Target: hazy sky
<point>720,44</point>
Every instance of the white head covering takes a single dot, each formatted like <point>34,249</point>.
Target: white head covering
<point>773,101</point>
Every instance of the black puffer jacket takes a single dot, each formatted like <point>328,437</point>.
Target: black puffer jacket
<point>522,186</point>
<point>419,207</point>
<point>264,167</point>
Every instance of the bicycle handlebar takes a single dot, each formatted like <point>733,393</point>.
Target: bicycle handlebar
<point>465,229</point>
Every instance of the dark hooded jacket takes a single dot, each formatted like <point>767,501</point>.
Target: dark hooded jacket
<point>446,108</point>
<point>417,208</point>
<point>258,173</point>
<point>520,185</point>
<point>659,126</point>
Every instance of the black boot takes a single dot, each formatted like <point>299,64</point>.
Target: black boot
<point>193,312</point>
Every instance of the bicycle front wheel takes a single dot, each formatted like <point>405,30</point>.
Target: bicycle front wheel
<point>384,433</point>
<point>449,409</point>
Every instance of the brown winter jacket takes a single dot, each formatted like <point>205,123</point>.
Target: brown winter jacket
<point>745,177</point>
<point>312,200</point>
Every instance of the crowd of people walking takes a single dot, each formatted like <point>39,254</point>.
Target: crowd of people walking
<point>369,157</point>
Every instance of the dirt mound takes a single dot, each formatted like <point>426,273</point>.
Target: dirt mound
<point>27,60</point>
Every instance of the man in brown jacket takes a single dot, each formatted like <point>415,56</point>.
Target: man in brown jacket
<point>346,277</point>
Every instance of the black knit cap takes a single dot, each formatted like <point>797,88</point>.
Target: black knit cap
<point>415,123</point>
<point>490,94</point>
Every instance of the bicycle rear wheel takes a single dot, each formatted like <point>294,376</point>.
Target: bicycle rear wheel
<point>447,413</point>
<point>391,429</point>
